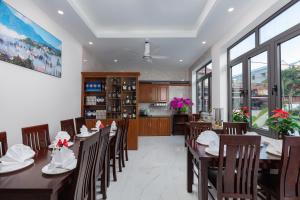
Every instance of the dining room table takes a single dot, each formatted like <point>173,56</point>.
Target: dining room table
<point>197,151</point>
<point>31,184</point>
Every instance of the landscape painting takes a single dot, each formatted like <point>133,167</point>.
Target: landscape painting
<point>24,43</point>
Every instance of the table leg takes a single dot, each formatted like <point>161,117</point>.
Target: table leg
<point>203,180</point>
<point>190,173</point>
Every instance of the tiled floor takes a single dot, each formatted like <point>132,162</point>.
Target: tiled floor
<point>157,171</point>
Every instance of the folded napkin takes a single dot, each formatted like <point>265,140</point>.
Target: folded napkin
<point>206,137</point>
<point>62,135</point>
<point>113,126</point>
<point>276,145</point>
<point>99,125</point>
<point>63,158</point>
<point>84,130</point>
<point>16,154</point>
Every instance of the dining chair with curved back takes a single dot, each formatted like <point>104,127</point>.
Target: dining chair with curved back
<point>115,152</point>
<point>68,126</point>
<point>236,175</point>
<point>196,128</point>
<point>83,186</point>
<point>234,128</point>
<point>194,117</point>
<point>3,143</point>
<point>102,160</point>
<point>125,141</point>
<point>79,122</point>
<point>285,185</point>
<point>37,137</point>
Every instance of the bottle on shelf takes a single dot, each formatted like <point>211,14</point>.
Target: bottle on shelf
<point>134,100</point>
<point>133,85</point>
<point>124,86</point>
<point>127,102</point>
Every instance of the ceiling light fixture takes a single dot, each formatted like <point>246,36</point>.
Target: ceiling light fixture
<point>85,60</point>
<point>203,42</point>
<point>231,9</point>
<point>60,12</point>
<point>180,60</point>
<point>115,60</point>
<point>91,43</point>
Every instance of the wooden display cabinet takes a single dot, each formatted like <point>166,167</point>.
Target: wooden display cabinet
<point>109,96</point>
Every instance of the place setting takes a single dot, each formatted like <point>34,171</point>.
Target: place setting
<point>62,138</point>
<point>84,132</point>
<point>17,157</point>
<point>113,129</point>
<point>211,140</point>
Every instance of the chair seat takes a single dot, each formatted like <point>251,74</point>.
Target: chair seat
<point>269,183</point>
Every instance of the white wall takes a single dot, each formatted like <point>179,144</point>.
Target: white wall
<point>218,52</point>
<point>90,62</point>
<point>30,98</point>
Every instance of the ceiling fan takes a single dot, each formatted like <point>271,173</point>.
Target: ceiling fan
<point>147,57</point>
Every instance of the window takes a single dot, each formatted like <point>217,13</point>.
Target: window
<point>244,46</point>
<point>266,75</point>
<point>204,88</point>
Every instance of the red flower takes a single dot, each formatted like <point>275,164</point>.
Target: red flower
<point>245,109</point>
<point>59,143</point>
<point>101,126</point>
<point>279,113</point>
<point>65,143</point>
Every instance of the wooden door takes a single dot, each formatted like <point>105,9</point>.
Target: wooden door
<point>147,93</point>
<point>163,93</point>
<point>154,130</point>
<point>164,126</point>
<point>143,126</point>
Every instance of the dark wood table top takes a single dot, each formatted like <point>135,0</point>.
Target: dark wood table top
<point>198,152</point>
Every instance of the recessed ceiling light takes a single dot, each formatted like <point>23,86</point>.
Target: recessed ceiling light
<point>230,9</point>
<point>115,60</point>
<point>203,42</point>
<point>180,60</point>
<point>85,60</point>
<point>91,43</point>
<point>60,12</point>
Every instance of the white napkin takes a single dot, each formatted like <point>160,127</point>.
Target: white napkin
<point>276,145</point>
<point>16,154</point>
<point>84,130</point>
<point>113,126</point>
<point>63,158</point>
<point>206,137</point>
<point>99,125</point>
<point>62,135</point>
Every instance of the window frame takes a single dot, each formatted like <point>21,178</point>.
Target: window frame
<point>272,46</point>
<point>201,80</point>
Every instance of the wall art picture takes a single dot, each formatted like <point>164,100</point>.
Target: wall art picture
<point>24,43</point>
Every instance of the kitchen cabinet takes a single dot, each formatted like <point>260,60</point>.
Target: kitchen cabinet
<point>154,126</point>
<point>152,93</point>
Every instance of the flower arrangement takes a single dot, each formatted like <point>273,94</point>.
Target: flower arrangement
<point>181,105</point>
<point>241,115</point>
<point>61,144</point>
<point>283,122</point>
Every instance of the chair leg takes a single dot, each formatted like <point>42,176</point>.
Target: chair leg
<point>104,184</point>
<point>114,168</point>
<point>123,157</point>
<point>120,161</point>
<point>126,152</point>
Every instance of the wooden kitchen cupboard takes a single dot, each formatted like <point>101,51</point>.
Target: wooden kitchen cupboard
<point>152,93</point>
<point>155,126</point>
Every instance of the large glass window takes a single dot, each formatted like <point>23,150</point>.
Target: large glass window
<point>282,22</point>
<point>244,46</point>
<point>290,75</point>
<point>203,88</point>
<point>237,86</point>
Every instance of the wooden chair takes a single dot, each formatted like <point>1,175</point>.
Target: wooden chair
<point>125,141</point>
<point>194,117</point>
<point>68,126</point>
<point>236,175</point>
<point>3,143</point>
<point>115,152</point>
<point>82,185</point>
<point>102,161</point>
<point>285,185</point>
<point>37,137</point>
<point>196,128</point>
<point>234,128</point>
<point>79,122</point>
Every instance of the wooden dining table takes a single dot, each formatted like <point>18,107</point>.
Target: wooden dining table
<point>31,184</point>
<point>197,151</point>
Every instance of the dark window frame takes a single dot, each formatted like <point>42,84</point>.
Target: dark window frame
<point>274,76</point>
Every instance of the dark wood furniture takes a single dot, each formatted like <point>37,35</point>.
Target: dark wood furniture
<point>197,151</point>
<point>114,106</point>
<point>194,117</point>
<point>124,142</point>
<point>286,184</point>
<point>155,126</point>
<point>152,93</point>
<point>234,128</point>
<point>68,126</point>
<point>196,128</point>
<point>79,122</point>
<point>37,137</point>
<point>115,152</point>
<point>236,175</point>
<point>178,123</point>
<point>3,143</point>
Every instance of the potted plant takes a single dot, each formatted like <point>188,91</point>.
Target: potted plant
<point>283,123</point>
<point>241,115</point>
<point>181,105</point>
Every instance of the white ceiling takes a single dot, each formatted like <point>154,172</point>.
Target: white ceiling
<point>175,28</point>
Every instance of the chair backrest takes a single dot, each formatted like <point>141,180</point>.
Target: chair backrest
<point>238,168</point>
<point>194,117</point>
<point>116,141</point>
<point>82,182</point>
<point>103,150</point>
<point>198,127</point>
<point>79,122</point>
<point>290,169</point>
<point>3,143</point>
<point>68,126</point>
<point>37,137</point>
<point>234,128</point>
<point>126,128</point>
